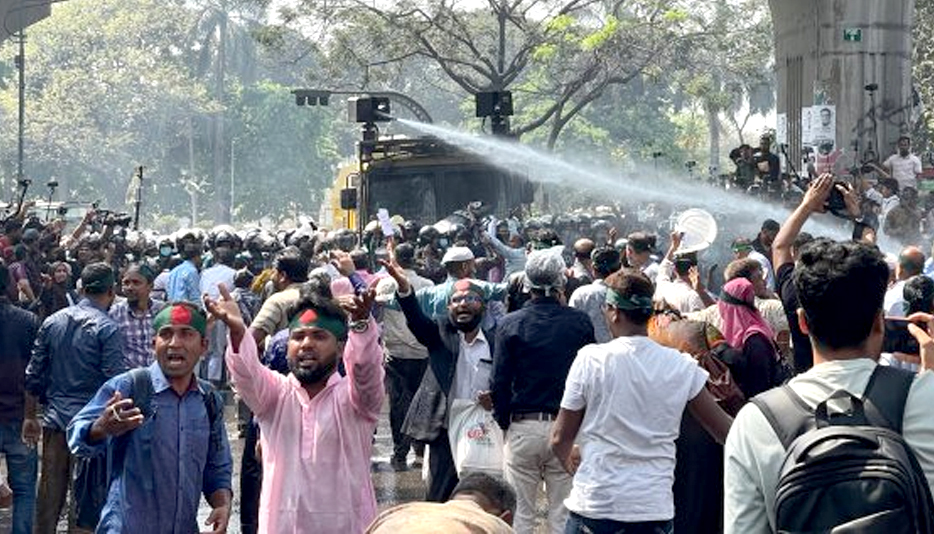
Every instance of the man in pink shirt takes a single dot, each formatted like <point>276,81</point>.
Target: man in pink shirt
<point>316,426</point>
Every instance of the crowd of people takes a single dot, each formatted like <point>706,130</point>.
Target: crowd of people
<point>619,379</point>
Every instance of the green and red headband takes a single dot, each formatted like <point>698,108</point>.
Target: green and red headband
<point>181,315</point>
<point>310,317</point>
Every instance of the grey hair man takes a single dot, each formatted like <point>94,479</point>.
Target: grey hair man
<point>534,349</point>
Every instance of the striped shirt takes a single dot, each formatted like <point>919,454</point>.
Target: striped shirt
<point>137,331</point>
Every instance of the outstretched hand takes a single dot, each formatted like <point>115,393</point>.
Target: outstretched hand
<point>921,326</point>
<point>227,311</point>
<point>395,270</point>
<point>118,417</point>
<point>815,198</point>
<point>359,306</point>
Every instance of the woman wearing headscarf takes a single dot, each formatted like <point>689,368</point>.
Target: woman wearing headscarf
<point>58,291</point>
<point>745,329</point>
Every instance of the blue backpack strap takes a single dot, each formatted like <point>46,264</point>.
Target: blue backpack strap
<point>786,412</point>
<point>214,405</point>
<point>212,401</point>
<point>886,395</point>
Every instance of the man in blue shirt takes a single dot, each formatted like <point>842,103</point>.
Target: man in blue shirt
<point>184,282</point>
<point>77,349</point>
<point>168,450</point>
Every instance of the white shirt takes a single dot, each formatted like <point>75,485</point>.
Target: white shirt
<point>474,365</point>
<point>894,303</point>
<point>633,392</point>
<point>676,292</point>
<point>753,454</point>
<point>214,275</point>
<point>904,170</point>
<point>590,299</point>
<point>770,309</point>
<point>651,270</point>
<point>886,204</point>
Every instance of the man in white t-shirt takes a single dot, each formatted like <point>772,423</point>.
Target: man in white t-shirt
<point>904,166</point>
<point>675,285</point>
<point>622,404</point>
<point>840,289</point>
<point>910,264</point>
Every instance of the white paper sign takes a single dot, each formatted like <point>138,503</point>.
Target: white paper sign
<point>383,217</point>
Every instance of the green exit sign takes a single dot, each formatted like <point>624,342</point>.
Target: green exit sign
<point>853,35</point>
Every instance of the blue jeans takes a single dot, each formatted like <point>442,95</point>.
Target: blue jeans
<point>23,466</point>
<point>578,524</point>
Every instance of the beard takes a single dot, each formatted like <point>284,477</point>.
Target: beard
<point>307,376</point>
<point>468,326</point>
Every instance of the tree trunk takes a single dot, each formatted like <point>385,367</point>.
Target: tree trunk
<point>713,127</point>
<point>219,143</point>
<point>191,170</point>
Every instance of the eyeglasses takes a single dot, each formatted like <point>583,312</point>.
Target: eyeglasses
<point>467,299</point>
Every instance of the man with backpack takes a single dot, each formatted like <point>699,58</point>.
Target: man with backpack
<point>845,446</point>
<point>162,433</point>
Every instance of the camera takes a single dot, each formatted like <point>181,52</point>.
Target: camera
<point>110,218</point>
<point>836,204</point>
<point>494,104</point>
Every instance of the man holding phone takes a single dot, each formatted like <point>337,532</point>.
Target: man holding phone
<point>840,289</point>
<point>900,348</point>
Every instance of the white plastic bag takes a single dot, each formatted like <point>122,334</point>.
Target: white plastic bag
<point>476,440</point>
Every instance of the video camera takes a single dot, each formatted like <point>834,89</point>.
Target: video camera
<point>111,218</point>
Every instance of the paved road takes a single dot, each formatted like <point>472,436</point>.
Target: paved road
<point>391,488</point>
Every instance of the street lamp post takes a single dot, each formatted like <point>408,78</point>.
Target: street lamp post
<point>21,67</point>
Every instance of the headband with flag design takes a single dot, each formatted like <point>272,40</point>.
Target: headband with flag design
<point>309,317</point>
<point>180,314</point>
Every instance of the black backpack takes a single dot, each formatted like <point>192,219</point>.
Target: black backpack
<point>850,472</point>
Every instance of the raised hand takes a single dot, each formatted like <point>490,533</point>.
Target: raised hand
<point>396,272</point>
<point>118,418</point>
<point>359,306</point>
<point>227,311</point>
<point>817,194</point>
<point>342,262</point>
<point>921,326</point>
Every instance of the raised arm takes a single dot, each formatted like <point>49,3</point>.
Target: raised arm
<point>813,202</point>
<point>259,387</point>
<point>423,328</point>
<point>363,357</point>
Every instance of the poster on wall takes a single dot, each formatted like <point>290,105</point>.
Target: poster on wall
<point>807,127</point>
<point>781,129</point>
<point>824,126</point>
<point>824,152</point>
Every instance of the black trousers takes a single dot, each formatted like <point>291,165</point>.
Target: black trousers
<point>441,468</point>
<point>402,380</point>
<point>251,481</point>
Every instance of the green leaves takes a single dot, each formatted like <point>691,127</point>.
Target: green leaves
<point>601,36</point>
<point>113,84</point>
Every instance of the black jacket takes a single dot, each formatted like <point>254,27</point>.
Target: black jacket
<point>427,415</point>
<point>534,350</point>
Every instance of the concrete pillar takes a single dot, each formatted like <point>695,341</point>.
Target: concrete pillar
<point>814,62</point>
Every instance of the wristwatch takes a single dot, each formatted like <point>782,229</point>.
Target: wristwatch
<point>360,326</point>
